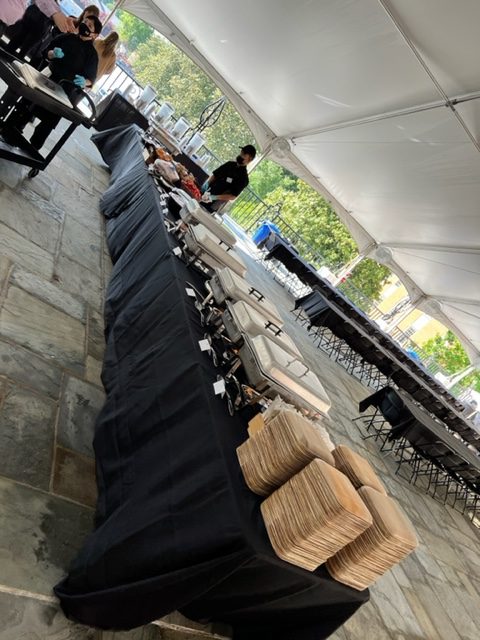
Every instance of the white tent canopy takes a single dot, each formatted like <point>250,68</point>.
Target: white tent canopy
<point>375,103</point>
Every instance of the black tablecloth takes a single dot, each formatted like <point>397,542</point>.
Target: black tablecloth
<point>314,305</point>
<point>280,249</point>
<point>429,437</point>
<point>327,308</point>
<point>322,312</point>
<point>176,526</point>
<point>115,110</point>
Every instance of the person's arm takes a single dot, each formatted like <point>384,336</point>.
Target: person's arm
<point>56,43</point>
<point>51,9</point>
<point>206,185</point>
<point>211,179</point>
<point>224,197</point>
<point>48,7</point>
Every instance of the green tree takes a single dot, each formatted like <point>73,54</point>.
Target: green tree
<point>310,215</point>
<point>179,81</point>
<point>369,277</point>
<point>133,31</point>
<point>447,350</point>
<point>268,175</point>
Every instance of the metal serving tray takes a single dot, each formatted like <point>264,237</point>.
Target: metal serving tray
<point>192,213</point>
<point>272,371</point>
<point>240,319</point>
<point>206,247</point>
<point>226,285</point>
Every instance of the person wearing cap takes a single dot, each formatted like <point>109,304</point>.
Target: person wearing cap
<point>71,57</point>
<point>228,181</point>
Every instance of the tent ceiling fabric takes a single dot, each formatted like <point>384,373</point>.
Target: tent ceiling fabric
<point>376,103</point>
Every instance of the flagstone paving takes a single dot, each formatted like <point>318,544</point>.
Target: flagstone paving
<point>53,273</point>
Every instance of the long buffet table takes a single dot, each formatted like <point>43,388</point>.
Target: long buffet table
<point>327,306</point>
<point>176,526</point>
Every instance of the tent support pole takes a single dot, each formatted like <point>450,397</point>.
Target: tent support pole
<point>116,7</point>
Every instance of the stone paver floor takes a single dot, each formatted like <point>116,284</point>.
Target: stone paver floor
<point>53,271</point>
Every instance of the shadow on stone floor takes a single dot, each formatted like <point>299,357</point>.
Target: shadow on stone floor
<point>53,272</point>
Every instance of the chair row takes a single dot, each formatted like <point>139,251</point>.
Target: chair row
<point>445,475</point>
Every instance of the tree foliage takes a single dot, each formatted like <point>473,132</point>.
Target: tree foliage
<point>132,31</point>
<point>309,214</point>
<point>268,175</point>
<point>369,277</point>
<point>447,350</point>
<point>179,81</point>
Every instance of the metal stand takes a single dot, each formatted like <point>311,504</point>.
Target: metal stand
<point>17,148</point>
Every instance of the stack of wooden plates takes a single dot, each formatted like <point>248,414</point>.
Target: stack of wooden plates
<point>356,468</point>
<point>314,515</point>
<point>390,539</point>
<point>280,450</point>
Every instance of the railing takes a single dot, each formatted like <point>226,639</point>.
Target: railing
<point>126,83</point>
<point>362,301</point>
<point>249,211</point>
<point>304,248</point>
<point>409,345</point>
<point>118,79</point>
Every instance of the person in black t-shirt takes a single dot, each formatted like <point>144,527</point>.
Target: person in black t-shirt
<point>228,181</point>
<point>71,57</point>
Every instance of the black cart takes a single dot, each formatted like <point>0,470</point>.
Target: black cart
<point>18,149</point>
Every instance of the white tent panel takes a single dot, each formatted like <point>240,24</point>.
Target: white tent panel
<point>292,61</point>
<point>363,92</point>
<point>411,177</point>
<point>446,35</point>
<point>470,114</point>
<point>438,270</point>
<point>467,315</point>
